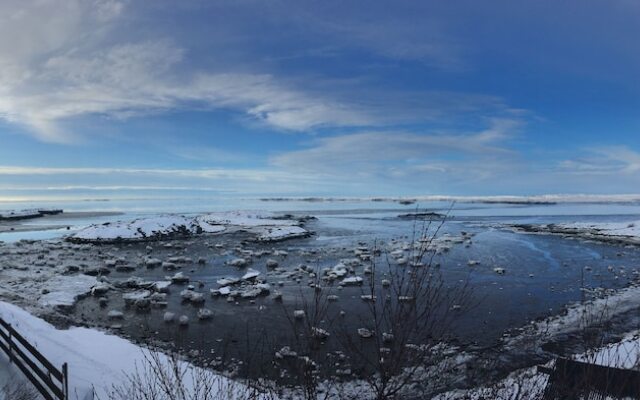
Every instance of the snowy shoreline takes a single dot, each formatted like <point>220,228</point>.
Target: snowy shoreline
<point>98,362</point>
<point>610,232</point>
<point>265,226</point>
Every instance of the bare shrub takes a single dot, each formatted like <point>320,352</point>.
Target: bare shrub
<point>399,335</point>
<point>166,377</point>
<point>19,390</point>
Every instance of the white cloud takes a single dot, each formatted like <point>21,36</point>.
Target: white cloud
<point>606,160</point>
<point>59,61</point>
<point>372,153</point>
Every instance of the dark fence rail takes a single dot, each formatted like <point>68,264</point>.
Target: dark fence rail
<point>570,379</point>
<point>52,383</point>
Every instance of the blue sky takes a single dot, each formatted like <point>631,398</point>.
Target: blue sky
<point>319,98</point>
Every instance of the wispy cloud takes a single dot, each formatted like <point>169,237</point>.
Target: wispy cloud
<point>606,160</point>
<point>74,61</point>
<point>372,153</point>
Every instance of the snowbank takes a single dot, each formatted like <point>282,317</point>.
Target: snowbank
<point>137,229</point>
<point>627,229</point>
<point>246,219</point>
<point>97,361</point>
<point>530,384</point>
<point>267,226</point>
<point>623,354</point>
<point>627,232</point>
<point>27,214</point>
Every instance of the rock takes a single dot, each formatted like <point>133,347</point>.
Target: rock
<point>179,277</point>
<point>100,289</point>
<point>169,266</point>
<point>228,281</point>
<point>238,262</point>
<point>271,263</point>
<point>183,320</point>
<point>169,317</point>
<point>95,271</point>
<point>142,304</point>
<point>319,333</point>
<point>161,286</point>
<point>204,314</point>
<point>285,352</point>
<point>256,290</point>
<point>158,297</point>
<point>115,314</point>
<point>192,296</point>
<point>351,281</point>
<point>365,333</point>
<point>125,268</point>
<point>250,274</point>
<point>130,298</point>
<point>152,262</point>
<point>338,271</point>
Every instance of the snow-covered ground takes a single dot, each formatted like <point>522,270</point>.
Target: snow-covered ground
<point>529,383</point>
<point>628,229</point>
<point>98,361</point>
<point>24,214</point>
<point>606,231</point>
<point>580,316</point>
<point>265,225</point>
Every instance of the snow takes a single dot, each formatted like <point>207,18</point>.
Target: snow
<point>136,229</point>
<point>623,354</point>
<point>282,232</point>
<point>629,229</point>
<point>530,384</point>
<point>580,315</point>
<point>250,274</point>
<point>352,280</point>
<point>11,214</point>
<point>265,225</point>
<point>63,291</point>
<point>245,219</point>
<point>97,361</point>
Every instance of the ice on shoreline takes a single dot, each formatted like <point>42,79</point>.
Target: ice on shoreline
<point>27,214</point>
<point>63,290</point>
<point>626,232</point>
<point>267,227</point>
<point>537,199</point>
<point>629,229</point>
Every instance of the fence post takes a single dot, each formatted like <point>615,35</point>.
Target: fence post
<point>10,345</point>
<point>65,381</point>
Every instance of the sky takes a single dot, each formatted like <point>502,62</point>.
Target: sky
<point>322,98</point>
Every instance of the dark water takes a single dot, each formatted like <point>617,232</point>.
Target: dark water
<point>543,274</point>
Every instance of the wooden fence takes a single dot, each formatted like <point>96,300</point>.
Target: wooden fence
<point>52,383</point>
<point>570,379</point>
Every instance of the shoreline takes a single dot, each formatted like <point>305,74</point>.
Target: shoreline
<point>36,270</point>
<point>576,233</point>
<point>57,221</point>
